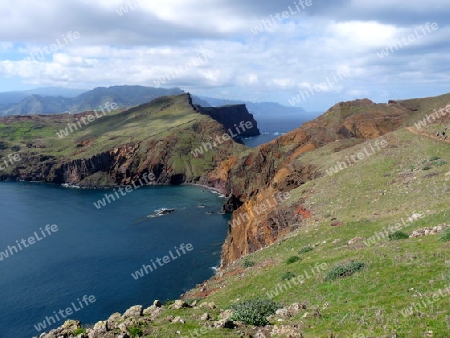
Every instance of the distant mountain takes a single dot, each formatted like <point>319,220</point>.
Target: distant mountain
<point>123,96</point>
<point>54,100</point>
<point>13,97</point>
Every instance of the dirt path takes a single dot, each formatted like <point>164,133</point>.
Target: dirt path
<point>417,132</point>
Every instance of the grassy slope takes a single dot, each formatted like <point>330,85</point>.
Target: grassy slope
<point>164,118</point>
<point>376,192</point>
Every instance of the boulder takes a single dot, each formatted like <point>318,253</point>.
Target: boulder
<point>134,311</point>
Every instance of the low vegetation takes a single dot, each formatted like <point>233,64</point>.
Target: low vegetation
<point>293,259</point>
<point>398,235</point>
<point>344,270</point>
<point>254,311</point>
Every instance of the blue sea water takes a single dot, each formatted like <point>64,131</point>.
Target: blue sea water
<point>271,128</point>
<point>95,251</point>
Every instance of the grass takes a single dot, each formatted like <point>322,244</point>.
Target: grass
<point>135,332</point>
<point>305,249</point>
<point>78,331</point>
<point>375,193</point>
<point>445,237</point>
<point>165,124</point>
<point>364,288</point>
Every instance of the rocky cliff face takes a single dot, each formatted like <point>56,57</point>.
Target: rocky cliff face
<point>181,149</point>
<point>276,167</point>
<point>170,155</point>
<point>233,118</point>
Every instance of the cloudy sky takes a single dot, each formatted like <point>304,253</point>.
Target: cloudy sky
<point>319,51</point>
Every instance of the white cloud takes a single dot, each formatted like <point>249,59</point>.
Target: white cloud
<point>146,43</point>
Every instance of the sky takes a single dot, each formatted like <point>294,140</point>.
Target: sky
<point>305,53</point>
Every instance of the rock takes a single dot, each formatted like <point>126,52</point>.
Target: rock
<point>134,311</point>
<point>354,240</point>
<point>210,305</point>
<point>227,314</point>
<point>224,324</point>
<point>113,320</point>
<point>101,326</point>
<point>205,317</point>
<point>71,325</point>
<point>122,327</point>
<point>179,304</point>
<point>157,303</point>
<point>153,311</point>
<point>429,231</point>
<point>288,331</point>
<point>178,319</point>
<point>284,312</point>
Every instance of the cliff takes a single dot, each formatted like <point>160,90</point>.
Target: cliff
<point>233,118</point>
<point>167,137</point>
<point>277,167</point>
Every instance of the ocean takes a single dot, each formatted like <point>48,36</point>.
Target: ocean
<point>271,128</point>
<point>72,249</point>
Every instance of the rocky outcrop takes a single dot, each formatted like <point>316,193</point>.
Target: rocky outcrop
<point>169,157</point>
<point>234,119</point>
<point>276,167</point>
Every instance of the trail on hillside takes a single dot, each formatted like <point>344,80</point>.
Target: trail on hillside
<point>421,133</point>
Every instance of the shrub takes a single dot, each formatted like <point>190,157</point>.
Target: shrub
<point>344,270</point>
<point>78,331</point>
<point>135,332</point>
<point>306,249</point>
<point>287,275</point>
<point>445,237</point>
<point>434,158</point>
<point>247,263</point>
<point>292,259</point>
<point>398,235</point>
<point>426,168</point>
<point>254,311</point>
